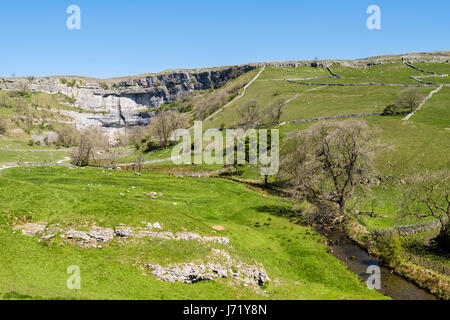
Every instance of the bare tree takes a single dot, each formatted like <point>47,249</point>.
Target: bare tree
<point>139,162</point>
<point>249,113</point>
<point>31,79</point>
<point>68,136</point>
<point>428,195</point>
<point>91,140</point>
<point>24,87</point>
<point>277,110</point>
<point>408,100</point>
<point>164,124</point>
<point>3,125</point>
<point>326,163</point>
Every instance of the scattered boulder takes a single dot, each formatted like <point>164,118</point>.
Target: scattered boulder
<point>123,232</point>
<point>77,235</point>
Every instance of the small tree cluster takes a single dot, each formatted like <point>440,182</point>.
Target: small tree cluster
<point>68,136</point>
<point>407,101</point>
<point>91,140</point>
<point>164,124</point>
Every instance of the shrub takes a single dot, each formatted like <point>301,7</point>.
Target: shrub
<point>390,248</point>
<point>3,126</point>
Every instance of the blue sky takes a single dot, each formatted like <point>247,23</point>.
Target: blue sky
<point>119,38</point>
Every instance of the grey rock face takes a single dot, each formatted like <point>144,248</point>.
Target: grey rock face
<point>113,103</point>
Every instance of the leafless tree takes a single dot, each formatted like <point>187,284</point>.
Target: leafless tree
<point>277,110</point>
<point>164,124</point>
<point>428,195</point>
<point>24,87</point>
<point>68,136</point>
<point>139,162</point>
<point>3,125</point>
<point>326,163</point>
<point>91,140</point>
<point>249,113</point>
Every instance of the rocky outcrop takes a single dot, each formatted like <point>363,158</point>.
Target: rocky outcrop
<point>115,103</point>
<point>220,265</point>
<point>96,236</point>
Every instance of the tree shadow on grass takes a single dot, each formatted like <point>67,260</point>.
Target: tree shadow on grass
<point>293,215</point>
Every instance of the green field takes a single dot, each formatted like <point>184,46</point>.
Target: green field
<point>293,255</point>
<point>259,225</point>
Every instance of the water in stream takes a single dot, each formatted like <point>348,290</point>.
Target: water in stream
<point>357,260</point>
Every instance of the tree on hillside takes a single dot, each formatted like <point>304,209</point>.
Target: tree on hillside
<point>249,113</point>
<point>3,125</point>
<point>91,140</point>
<point>277,110</point>
<point>24,87</point>
<point>165,123</point>
<point>428,195</point>
<point>408,100</point>
<point>326,163</point>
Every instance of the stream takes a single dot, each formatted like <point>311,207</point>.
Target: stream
<point>357,260</point>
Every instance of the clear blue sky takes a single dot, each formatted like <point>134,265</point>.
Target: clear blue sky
<point>120,38</point>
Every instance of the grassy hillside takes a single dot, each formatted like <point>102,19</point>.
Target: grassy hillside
<point>261,227</point>
<point>293,255</point>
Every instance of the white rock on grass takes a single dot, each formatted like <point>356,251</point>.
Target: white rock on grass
<point>156,225</point>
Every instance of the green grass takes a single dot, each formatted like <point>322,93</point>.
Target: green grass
<point>291,72</point>
<point>435,67</point>
<point>29,156</point>
<point>382,73</point>
<point>436,112</point>
<point>292,254</point>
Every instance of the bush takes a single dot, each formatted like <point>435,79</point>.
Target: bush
<point>151,146</point>
<point>390,248</point>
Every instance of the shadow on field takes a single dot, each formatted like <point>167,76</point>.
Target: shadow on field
<point>282,211</point>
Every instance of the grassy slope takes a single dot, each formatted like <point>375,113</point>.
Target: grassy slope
<point>384,73</point>
<point>323,101</point>
<point>423,142</point>
<point>290,253</point>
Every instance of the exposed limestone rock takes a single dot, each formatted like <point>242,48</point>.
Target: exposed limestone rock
<point>221,265</point>
<point>31,229</point>
<point>101,234</point>
<point>116,103</point>
<point>77,235</point>
<point>123,232</point>
<point>97,235</point>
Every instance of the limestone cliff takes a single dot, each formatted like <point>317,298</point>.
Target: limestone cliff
<point>117,102</point>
